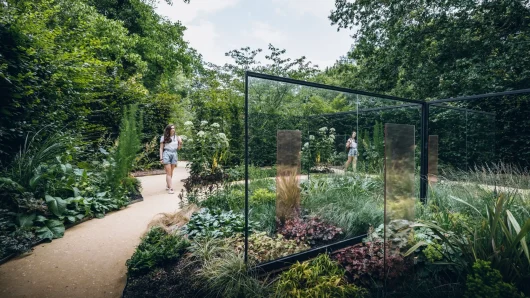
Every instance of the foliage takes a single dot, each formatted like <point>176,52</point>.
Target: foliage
<point>262,248</point>
<point>499,238</point>
<point>484,281</point>
<point>173,280</point>
<point>206,149</point>
<point>288,194</point>
<point>371,151</point>
<point>443,49</point>
<point>365,262</point>
<point>215,223</point>
<point>350,202</point>
<point>262,195</point>
<point>228,198</point>
<point>228,276</point>
<point>156,249</point>
<point>319,150</point>
<point>128,146</point>
<point>310,230</point>
<point>148,157</point>
<point>320,277</point>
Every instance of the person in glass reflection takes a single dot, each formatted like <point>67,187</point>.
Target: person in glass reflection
<point>351,145</point>
<point>169,144</point>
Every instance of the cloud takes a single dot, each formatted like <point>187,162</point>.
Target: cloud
<point>266,33</point>
<point>317,8</point>
<point>204,38</point>
<point>187,13</point>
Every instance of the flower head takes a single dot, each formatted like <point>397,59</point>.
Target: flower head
<point>188,123</point>
<point>216,125</point>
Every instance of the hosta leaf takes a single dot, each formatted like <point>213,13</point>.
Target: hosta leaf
<point>56,205</point>
<point>51,230</point>
<point>25,220</point>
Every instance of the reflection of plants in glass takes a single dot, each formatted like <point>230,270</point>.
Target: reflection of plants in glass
<point>288,194</point>
<point>319,150</point>
<point>262,248</point>
<point>320,277</point>
<point>206,148</point>
<point>310,230</point>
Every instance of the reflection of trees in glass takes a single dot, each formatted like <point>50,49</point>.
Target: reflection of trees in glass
<point>399,172</point>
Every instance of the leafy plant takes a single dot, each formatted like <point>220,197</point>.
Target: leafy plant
<point>319,151</point>
<point>309,230</point>
<point>288,194</point>
<point>206,148</point>
<point>128,145</point>
<point>262,195</point>
<point>499,239</point>
<point>320,277</point>
<point>262,248</point>
<point>156,248</point>
<point>364,262</point>
<point>228,276</point>
<point>484,281</point>
<point>215,223</point>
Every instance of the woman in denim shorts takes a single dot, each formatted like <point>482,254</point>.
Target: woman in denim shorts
<point>351,144</point>
<point>169,144</point>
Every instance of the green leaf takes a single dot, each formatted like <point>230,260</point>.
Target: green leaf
<point>56,205</point>
<point>25,220</point>
<point>413,248</point>
<point>51,230</point>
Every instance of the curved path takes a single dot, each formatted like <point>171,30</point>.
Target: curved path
<point>89,261</point>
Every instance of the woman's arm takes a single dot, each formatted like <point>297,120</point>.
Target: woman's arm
<point>161,151</point>
<point>180,143</point>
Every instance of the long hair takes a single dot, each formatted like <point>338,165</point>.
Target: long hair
<point>354,138</point>
<point>167,134</point>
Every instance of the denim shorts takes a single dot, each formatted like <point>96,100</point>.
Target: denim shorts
<point>169,157</point>
<point>353,152</point>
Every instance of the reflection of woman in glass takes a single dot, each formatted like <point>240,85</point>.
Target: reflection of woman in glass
<point>351,145</point>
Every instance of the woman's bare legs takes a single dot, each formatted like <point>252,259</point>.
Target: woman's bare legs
<point>350,158</point>
<point>354,165</point>
<point>169,175</point>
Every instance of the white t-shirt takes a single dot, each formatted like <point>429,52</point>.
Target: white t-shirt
<point>353,144</point>
<point>173,145</point>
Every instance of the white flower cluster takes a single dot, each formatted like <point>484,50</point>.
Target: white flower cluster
<point>188,123</point>
<point>200,134</point>
<point>204,122</point>
<point>216,125</point>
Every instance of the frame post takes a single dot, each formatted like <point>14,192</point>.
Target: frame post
<point>424,158</point>
<point>246,167</point>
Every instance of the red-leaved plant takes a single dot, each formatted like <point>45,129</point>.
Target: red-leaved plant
<point>364,262</point>
<point>311,230</point>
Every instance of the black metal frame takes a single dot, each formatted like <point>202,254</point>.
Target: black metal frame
<point>280,263</point>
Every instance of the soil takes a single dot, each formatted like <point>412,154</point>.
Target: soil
<point>89,261</point>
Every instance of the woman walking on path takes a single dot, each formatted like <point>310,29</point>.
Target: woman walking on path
<point>351,144</point>
<point>169,144</point>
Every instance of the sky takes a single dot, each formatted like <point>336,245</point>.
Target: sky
<point>302,27</point>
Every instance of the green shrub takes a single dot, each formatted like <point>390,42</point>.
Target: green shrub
<point>228,276</point>
<point>320,277</point>
<point>156,248</point>
<point>262,248</point>
<point>262,195</point>
<point>228,198</point>
<point>485,281</point>
<point>174,281</point>
<point>215,223</point>
<point>129,143</point>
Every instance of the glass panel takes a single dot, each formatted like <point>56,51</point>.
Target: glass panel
<point>433,159</point>
<point>288,175</point>
<point>302,132</point>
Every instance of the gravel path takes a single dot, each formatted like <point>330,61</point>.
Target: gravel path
<point>89,261</point>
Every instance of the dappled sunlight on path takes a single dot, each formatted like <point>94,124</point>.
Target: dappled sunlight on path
<point>89,261</point>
